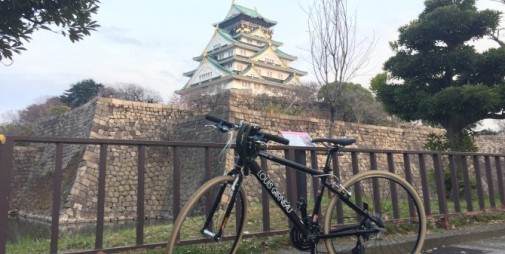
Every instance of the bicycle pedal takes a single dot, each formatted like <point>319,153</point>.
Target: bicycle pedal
<point>208,233</point>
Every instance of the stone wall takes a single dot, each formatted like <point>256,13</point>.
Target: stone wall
<point>25,157</point>
<point>37,186</point>
<point>115,119</point>
<point>491,144</point>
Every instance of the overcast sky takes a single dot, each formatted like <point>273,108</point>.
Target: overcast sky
<point>152,42</point>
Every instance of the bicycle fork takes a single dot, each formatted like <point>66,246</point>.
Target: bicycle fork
<point>207,228</point>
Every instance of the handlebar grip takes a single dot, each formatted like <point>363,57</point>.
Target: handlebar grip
<point>219,121</point>
<point>276,138</point>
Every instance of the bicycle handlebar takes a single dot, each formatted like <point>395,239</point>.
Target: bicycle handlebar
<point>275,138</point>
<point>225,126</point>
<point>220,121</point>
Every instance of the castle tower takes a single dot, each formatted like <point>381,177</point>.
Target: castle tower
<point>242,55</point>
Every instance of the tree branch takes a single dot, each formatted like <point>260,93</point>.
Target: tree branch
<point>496,116</point>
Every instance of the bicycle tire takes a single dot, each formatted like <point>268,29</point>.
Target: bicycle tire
<point>405,229</point>
<point>187,227</point>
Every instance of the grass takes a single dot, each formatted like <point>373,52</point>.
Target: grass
<point>159,233</point>
<point>153,234</point>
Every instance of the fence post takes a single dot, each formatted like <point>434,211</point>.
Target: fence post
<point>375,185</point>
<point>499,176</point>
<point>490,185</point>
<point>442,201</point>
<point>313,164</point>
<point>424,184</point>
<point>454,183</point>
<point>336,172</point>
<point>394,194</point>
<point>291,187</point>
<point>301,180</point>
<point>265,200</point>
<point>101,197</point>
<point>468,188</point>
<point>408,177</point>
<point>6,153</point>
<point>480,192</point>
<point>176,183</point>
<point>141,153</point>
<point>55,218</point>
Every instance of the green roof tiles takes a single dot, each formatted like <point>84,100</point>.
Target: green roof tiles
<point>251,12</point>
<point>217,65</point>
<point>226,35</point>
<point>285,55</point>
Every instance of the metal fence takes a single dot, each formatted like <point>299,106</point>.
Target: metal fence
<point>479,178</point>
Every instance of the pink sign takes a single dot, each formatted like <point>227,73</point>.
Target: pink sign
<point>298,138</point>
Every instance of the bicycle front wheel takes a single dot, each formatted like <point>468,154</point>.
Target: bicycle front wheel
<point>391,201</point>
<point>187,234</point>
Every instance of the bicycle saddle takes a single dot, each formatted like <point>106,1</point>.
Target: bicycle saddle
<point>335,141</point>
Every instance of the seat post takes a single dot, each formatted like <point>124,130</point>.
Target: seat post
<point>331,151</point>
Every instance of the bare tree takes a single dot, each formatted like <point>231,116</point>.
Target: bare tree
<point>132,92</point>
<point>299,99</point>
<point>23,122</point>
<point>337,54</point>
<point>206,100</point>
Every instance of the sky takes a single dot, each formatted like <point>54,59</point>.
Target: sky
<point>151,43</point>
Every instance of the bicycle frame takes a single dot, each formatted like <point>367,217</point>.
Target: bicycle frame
<point>284,205</point>
<point>281,200</point>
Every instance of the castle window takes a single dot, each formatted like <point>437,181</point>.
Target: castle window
<point>269,60</point>
<point>217,45</point>
<point>246,83</point>
<point>205,76</point>
<point>269,74</point>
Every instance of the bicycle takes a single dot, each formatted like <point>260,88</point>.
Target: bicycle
<point>369,220</point>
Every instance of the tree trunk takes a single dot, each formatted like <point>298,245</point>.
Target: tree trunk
<point>456,138</point>
<point>333,116</point>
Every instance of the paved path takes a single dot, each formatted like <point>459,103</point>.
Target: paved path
<point>488,239</point>
<point>494,245</point>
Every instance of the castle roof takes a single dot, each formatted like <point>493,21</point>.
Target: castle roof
<point>238,10</point>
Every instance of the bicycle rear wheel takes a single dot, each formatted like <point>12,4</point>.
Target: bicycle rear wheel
<point>187,236</point>
<point>390,200</point>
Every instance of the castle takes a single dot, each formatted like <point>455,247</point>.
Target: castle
<point>242,55</point>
